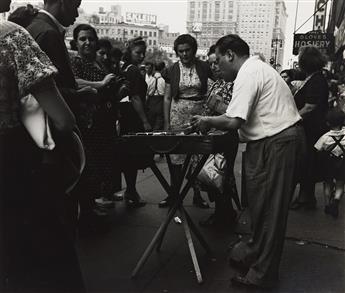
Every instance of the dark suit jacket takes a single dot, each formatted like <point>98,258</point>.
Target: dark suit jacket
<point>47,35</point>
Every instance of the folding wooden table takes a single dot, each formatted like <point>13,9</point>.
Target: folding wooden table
<point>170,143</point>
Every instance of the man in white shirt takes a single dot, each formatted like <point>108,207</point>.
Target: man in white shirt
<point>149,78</point>
<point>263,110</point>
<point>155,98</point>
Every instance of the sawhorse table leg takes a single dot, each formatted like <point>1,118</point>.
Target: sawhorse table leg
<point>158,237</point>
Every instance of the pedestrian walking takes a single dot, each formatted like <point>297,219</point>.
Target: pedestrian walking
<point>332,143</point>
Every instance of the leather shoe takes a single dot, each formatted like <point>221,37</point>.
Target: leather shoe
<point>239,265</point>
<point>242,282</point>
<point>198,201</point>
<point>167,202</point>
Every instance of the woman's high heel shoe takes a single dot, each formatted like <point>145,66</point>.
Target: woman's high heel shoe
<point>133,200</point>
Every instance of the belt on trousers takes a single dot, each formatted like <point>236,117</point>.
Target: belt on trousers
<point>298,123</point>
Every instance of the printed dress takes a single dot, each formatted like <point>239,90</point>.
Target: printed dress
<point>189,103</point>
<point>33,236</point>
<point>97,125</point>
<point>22,66</point>
<point>223,89</point>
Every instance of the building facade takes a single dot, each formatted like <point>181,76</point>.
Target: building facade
<point>260,23</point>
<point>209,20</point>
<point>336,26</point>
<point>165,38</point>
<point>125,31</point>
<point>110,17</point>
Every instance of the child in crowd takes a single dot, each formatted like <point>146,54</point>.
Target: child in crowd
<point>333,144</point>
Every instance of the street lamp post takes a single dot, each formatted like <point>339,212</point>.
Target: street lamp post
<point>275,43</point>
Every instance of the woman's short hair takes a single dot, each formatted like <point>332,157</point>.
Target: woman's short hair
<point>234,43</point>
<point>310,59</point>
<point>186,39</point>
<point>160,66</point>
<point>335,117</point>
<point>288,72</point>
<point>130,45</point>
<point>211,50</point>
<point>116,53</point>
<point>105,43</point>
<point>23,15</point>
<point>84,27</point>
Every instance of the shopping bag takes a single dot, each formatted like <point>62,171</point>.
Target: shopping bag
<point>212,175</point>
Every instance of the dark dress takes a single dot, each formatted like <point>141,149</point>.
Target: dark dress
<point>130,121</point>
<point>37,252</point>
<point>315,92</point>
<point>96,121</point>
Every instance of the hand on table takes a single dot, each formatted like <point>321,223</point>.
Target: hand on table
<point>147,126</point>
<point>199,123</point>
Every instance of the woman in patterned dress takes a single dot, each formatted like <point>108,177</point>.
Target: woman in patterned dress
<point>96,120</point>
<point>186,87</point>
<point>224,214</point>
<point>36,254</point>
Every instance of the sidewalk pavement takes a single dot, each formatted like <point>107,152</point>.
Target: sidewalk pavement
<point>312,261</point>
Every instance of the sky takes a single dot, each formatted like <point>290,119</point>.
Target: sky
<point>174,14</point>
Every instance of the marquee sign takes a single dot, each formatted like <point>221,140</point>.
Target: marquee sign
<point>323,41</point>
<point>320,15</point>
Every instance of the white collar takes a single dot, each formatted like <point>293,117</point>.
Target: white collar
<point>61,28</point>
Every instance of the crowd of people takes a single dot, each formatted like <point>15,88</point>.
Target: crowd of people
<point>94,92</point>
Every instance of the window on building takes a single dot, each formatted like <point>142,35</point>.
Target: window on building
<point>141,33</point>
<point>131,32</point>
<point>150,34</point>
<point>154,42</point>
<point>204,10</point>
<point>216,10</point>
<point>145,33</point>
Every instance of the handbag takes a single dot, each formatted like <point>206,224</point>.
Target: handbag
<point>216,102</point>
<point>212,174</point>
<point>65,153</point>
<point>36,122</point>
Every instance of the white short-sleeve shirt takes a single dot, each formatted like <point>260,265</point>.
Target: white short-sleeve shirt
<point>263,99</point>
<point>326,141</point>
